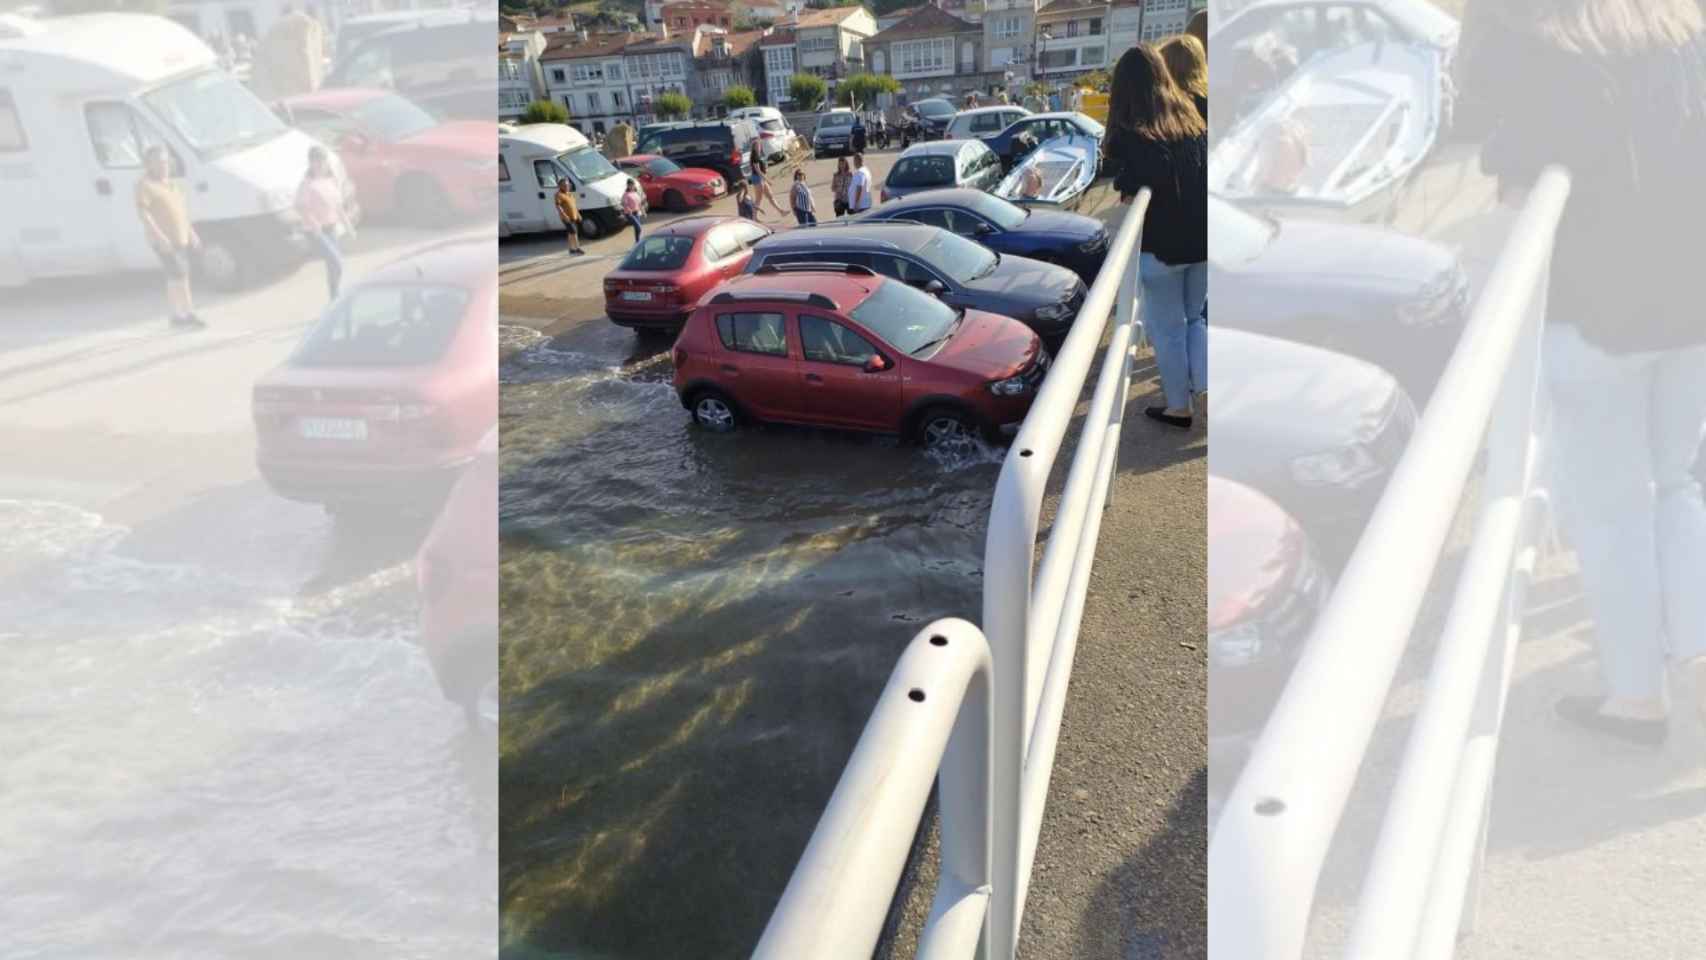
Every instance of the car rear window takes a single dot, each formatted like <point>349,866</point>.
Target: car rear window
<point>658,253</point>
<point>385,326</point>
<point>837,120</point>
<point>922,172</point>
<point>772,125</point>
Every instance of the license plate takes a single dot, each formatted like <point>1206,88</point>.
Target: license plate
<point>635,295</point>
<point>332,428</point>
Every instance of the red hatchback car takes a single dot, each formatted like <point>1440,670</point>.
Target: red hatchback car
<point>671,186</point>
<point>658,282</point>
<point>385,400</point>
<point>843,347</point>
<point>406,164</point>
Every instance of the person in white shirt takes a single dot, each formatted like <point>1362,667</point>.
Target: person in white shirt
<point>859,188</point>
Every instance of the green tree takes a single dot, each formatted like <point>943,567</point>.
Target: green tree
<point>861,89</point>
<point>807,91</point>
<point>672,106</point>
<point>739,96</point>
<point>545,111</point>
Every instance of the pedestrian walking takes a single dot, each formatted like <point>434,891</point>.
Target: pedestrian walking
<point>320,206</point>
<point>805,208</point>
<point>1187,63</point>
<point>1611,90</point>
<point>760,182</point>
<point>859,135</point>
<point>571,214</point>
<point>859,187</point>
<point>631,208</point>
<point>165,216</point>
<point>1161,143</point>
<point>838,185</point>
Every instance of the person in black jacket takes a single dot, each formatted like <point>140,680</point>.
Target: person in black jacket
<point>1614,91</point>
<point>1160,142</point>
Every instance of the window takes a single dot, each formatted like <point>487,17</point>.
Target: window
<point>825,341</point>
<point>902,269</point>
<point>598,126</point>
<point>658,253</point>
<point>753,333</point>
<point>1008,28</point>
<point>588,73</point>
<point>613,71</point>
<point>915,57</point>
<point>779,59</point>
<point>935,217</point>
<point>747,234</point>
<point>616,99</point>
<point>545,172</point>
<point>592,104</point>
<point>569,101</point>
<point>512,99</point>
<point>904,318</point>
<point>988,123</point>
<point>1096,27</point>
<point>818,45</point>
<point>119,141</point>
<point>503,169</point>
<point>721,243</point>
<point>557,75</point>
<point>386,327</point>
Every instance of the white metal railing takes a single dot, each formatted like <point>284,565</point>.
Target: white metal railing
<point>979,711</point>
<point>1268,848</point>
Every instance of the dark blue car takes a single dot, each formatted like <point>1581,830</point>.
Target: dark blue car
<point>1076,242</point>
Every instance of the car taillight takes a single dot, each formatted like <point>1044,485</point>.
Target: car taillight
<point>734,156</point>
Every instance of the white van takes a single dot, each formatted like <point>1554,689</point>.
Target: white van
<point>532,157</point>
<point>82,98</point>
<point>779,138</point>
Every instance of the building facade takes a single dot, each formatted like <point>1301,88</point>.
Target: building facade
<point>831,43</point>
<point>932,53</point>
<point>521,79</point>
<point>781,62</point>
<point>590,78</point>
<point>1072,39</point>
<point>657,65</point>
<point>686,16</point>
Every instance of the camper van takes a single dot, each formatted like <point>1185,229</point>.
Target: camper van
<point>533,157</point>
<point>83,97</point>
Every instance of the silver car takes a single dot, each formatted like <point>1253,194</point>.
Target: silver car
<point>942,163</point>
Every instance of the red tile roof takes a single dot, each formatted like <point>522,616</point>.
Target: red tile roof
<point>928,22</point>
<point>778,38</point>
<point>827,18</point>
<point>571,48</point>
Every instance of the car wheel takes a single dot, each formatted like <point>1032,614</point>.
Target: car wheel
<point>673,200</point>
<point>947,428</point>
<point>714,411</point>
<point>592,226</point>
<point>424,203</point>
<point>221,264</point>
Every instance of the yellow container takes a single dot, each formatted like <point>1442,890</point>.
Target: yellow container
<point>1095,106</point>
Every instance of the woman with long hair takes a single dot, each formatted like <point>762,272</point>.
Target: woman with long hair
<point>1615,92</point>
<point>1160,142</point>
<point>760,183</point>
<point>838,185</point>
<point>1187,63</point>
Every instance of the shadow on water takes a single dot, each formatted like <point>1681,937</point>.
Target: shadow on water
<point>695,628</point>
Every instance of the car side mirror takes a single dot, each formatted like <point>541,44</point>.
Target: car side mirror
<point>983,230</point>
<point>877,364</point>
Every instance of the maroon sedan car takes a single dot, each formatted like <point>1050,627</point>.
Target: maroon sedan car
<point>386,399</point>
<point>656,285</point>
<point>844,347</point>
<point>669,185</point>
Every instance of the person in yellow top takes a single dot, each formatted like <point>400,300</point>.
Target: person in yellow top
<point>165,216</point>
<point>571,215</point>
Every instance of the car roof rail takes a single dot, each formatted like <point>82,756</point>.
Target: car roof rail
<point>795,296</point>
<point>851,269</point>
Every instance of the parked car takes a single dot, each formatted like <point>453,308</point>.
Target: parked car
<point>983,123</point>
<point>1266,589</point>
<point>656,285</point>
<point>405,163</point>
<point>1076,242</point>
<point>773,130</point>
<point>835,132</point>
<point>926,120</point>
<point>1317,431</point>
<point>1028,133</point>
<point>670,186</point>
<point>944,163</point>
<point>849,349</point>
<point>721,145</point>
<point>1386,297</point>
<point>1043,296</point>
<point>385,400</point>
<point>456,575</point>
<point>442,62</point>
<point>533,158</point>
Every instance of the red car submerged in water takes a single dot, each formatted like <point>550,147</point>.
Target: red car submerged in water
<point>669,185</point>
<point>456,572</point>
<point>406,165</point>
<point>657,284</point>
<point>817,345</point>
<point>383,403</point>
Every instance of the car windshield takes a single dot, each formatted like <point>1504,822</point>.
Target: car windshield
<point>663,167</point>
<point>658,253</point>
<point>836,120</point>
<point>1234,235</point>
<point>586,165</point>
<point>772,125</point>
<point>958,257</point>
<point>934,108</point>
<point>391,118</point>
<point>1089,123</point>
<point>1005,215</point>
<point>213,112</point>
<point>385,326</point>
<point>905,318</point>
<point>922,172</point>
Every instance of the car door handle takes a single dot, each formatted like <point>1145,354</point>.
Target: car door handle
<point>104,187</point>
<point>813,378</point>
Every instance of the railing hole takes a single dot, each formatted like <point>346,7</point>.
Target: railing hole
<point>917,695</point>
<point>1024,453</point>
<point>938,641</point>
<point>1270,806</point>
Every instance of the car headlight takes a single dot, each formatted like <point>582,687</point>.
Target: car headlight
<point>1010,387</point>
<point>1349,466</point>
<point>1442,301</point>
<point>1054,311</point>
<point>1239,645</point>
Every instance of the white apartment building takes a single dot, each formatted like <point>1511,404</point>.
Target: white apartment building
<point>780,65</point>
<point>1009,27</point>
<point>1072,38</point>
<point>658,66</point>
<point>831,43</point>
<point>520,79</point>
<point>591,80</point>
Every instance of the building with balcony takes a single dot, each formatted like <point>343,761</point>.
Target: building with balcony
<point>1009,36</point>
<point>781,62</point>
<point>932,53</point>
<point>657,65</point>
<point>726,60</point>
<point>590,78</point>
<point>831,43</point>
<point>1072,38</point>
<point>520,77</point>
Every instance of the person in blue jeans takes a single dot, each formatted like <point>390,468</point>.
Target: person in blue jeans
<point>1160,142</point>
<point>1593,86</point>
